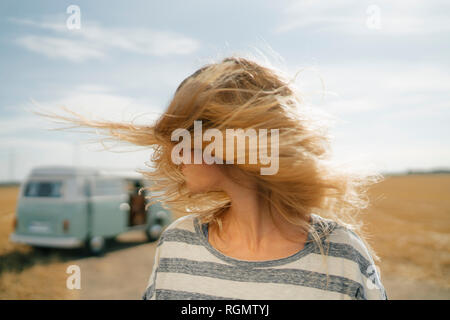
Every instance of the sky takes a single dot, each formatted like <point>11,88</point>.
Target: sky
<point>379,68</point>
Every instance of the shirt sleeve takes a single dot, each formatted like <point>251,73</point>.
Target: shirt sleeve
<point>369,273</point>
<point>149,293</point>
<point>372,288</point>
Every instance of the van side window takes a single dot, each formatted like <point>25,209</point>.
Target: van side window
<point>86,188</point>
<point>43,189</point>
<point>108,187</point>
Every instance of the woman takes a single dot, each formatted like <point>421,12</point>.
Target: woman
<point>291,233</point>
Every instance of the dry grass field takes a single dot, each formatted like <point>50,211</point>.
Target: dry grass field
<point>25,273</point>
<point>409,224</point>
<point>409,221</point>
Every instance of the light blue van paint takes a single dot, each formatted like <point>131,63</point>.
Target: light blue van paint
<point>66,206</point>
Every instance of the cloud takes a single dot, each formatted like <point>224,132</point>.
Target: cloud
<point>60,48</point>
<point>392,88</point>
<point>352,17</point>
<point>16,124</point>
<point>90,100</point>
<point>94,41</point>
<point>104,104</point>
<point>26,136</point>
<point>18,156</point>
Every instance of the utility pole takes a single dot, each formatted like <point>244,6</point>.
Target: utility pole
<point>11,164</point>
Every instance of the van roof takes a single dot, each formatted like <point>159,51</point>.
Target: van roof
<point>82,171</point>
<point>63,170</point>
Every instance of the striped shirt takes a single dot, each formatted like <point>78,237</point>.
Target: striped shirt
<point>186,266</point>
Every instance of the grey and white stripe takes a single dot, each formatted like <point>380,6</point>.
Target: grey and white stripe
<point>188,267</point>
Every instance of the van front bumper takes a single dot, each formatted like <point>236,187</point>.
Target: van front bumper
<point>55,242</point>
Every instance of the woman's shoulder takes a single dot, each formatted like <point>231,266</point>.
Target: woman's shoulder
<point>180,229</point>
<point>343,238</point>
<point>348,247</point>
<point>184,222</point>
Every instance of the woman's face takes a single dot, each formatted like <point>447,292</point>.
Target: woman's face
<point>202,177</point>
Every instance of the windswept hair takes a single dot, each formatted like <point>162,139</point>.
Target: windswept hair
<point>237,92</point>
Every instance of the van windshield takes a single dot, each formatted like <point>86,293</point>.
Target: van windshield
<point>43,189</point>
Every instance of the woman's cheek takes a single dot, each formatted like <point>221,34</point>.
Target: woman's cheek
<point>200,178</point>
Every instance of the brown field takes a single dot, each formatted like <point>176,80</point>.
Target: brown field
<point>409,224</point>
<point>409,220</point>
<point>25,274</point>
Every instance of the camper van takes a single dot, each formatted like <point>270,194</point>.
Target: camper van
<point>69,207</point>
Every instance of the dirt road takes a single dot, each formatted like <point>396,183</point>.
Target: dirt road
<point>122,273</point>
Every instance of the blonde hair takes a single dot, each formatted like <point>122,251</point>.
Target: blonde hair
<point>237,92</point>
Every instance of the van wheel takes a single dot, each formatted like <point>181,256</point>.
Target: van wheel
<point>96,245</point>
<point>153,232</point>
